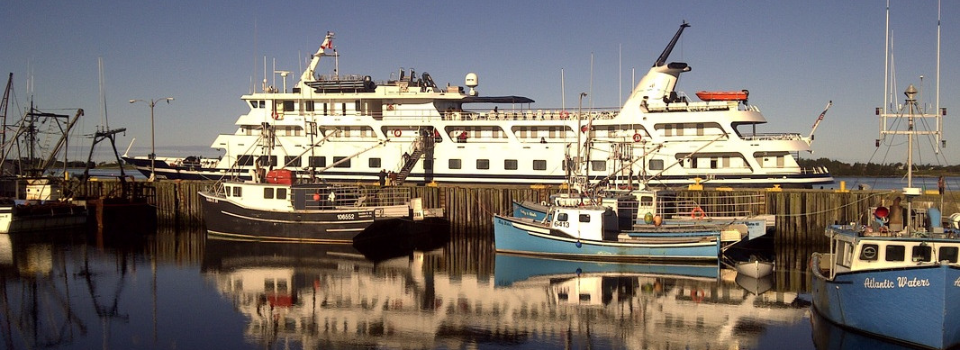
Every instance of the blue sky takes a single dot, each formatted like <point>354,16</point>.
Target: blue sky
<point>793,56</point>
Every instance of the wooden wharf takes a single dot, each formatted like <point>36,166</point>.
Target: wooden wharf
<point>801,214</point>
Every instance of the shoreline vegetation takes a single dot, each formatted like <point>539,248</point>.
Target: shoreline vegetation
<point>841,169</point>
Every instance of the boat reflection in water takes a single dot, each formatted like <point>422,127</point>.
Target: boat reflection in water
<point>315,296</point>
<point>829,336</point>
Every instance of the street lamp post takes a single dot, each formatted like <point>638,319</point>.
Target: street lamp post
<point>153,145</point>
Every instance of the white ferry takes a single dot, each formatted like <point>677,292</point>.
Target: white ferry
<point>349,128</point>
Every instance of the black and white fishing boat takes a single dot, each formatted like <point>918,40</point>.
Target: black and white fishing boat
<point>277,206</point>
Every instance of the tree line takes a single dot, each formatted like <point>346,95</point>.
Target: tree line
<point>838,168</point>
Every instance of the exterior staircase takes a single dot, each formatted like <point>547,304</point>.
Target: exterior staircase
<point>423,145</point>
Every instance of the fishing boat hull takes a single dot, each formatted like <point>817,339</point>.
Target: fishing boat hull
<point>529,237</point>
<point>911,305</point>
<point>16,218</point>
<point>227,218</point>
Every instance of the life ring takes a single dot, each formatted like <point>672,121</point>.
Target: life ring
<point>584,128</point>
<point>276,116</point>
<point>390,107</point>
<point>637,137</point>
<point>697,213</point>
<point>697,295</point>
<point>397,133</point>
<point>564,115</point>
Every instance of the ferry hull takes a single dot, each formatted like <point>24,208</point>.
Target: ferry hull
<point>519,237</point>
<point>229,220</point>
<point>889,303</point>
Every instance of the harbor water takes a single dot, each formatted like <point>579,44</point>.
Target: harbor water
<point>179,289</point>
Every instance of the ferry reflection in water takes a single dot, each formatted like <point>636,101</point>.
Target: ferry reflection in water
<point>332,296</point>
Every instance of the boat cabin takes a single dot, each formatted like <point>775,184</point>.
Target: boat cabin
<point>857,253</point>
<point>589,223</point>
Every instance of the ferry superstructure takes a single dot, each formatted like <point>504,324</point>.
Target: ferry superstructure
<point>349,128</point>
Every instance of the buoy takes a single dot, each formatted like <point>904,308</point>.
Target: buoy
<point>316,197</point>
<point>648,218</point>
<point>579,244</point>
<point>697,213</point>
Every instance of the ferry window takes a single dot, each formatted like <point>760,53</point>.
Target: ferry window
<point>293,161</point>
<point>236,191</point>
<point>510,164</point>
<point>281,193</point>
<point>598,165</point>
<point>584,218</point>
<point>287,105</point>
<point>356,106</point>
<point>713,163</point>
<point>869,252</point>
<point>245,160</point>
<point>483,164</point>
<point>655,164</point>
<point>325,109</point>
<point>680,128</point>
<point>454,164</point>
<point>563,217</point>
<point>344,164</point>
<point>281,286</point>
<point>265,160</point>
<point>318,161</point>
<point>948,254</point>
<point>921,252</point>
<point>268,193</point>
<point>895,253</point>
<point>309,106</point>
<point>539,165</point>
<point>374,162</point>
<point>699,129</point>
<point>343,107</point>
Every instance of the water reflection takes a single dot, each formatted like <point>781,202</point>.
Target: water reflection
<point>176,289</point>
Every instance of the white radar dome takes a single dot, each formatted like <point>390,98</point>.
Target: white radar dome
<point>471,82</point>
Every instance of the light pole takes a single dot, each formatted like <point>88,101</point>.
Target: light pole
<point>153,137</point>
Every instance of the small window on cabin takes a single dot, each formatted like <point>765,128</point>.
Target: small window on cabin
<point>253,104</point>
<point>869,252</point>
<point>263,104</point>
<point>948,254</point>
<point>655,164</point>
<point>584,218</point>
<point>287,106</point>
<point>598,165</point>
<point>713,163</point>
<point>344,164</point>
<point>895,253</point>
<point>646,201</point>
<point>374,163</point>
<point>510,164</point>
<point>318,161</point>
<point>539,165</point>
<point>563,217</point>
<point>309,107</point>
<point>291,161</point>
<point>226,191</point>
<point>281,193</point>
<point>483,164</point>
<point>267,193</point>
<point>236,191</point>
<point>921,253</point>
<point>454,164</point>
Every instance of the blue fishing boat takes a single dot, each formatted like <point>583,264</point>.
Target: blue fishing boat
<point>594,232</point>
<point>897,275</point>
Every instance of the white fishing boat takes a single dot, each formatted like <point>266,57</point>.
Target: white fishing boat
<point>754,268</point>
<point>454,134</point>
